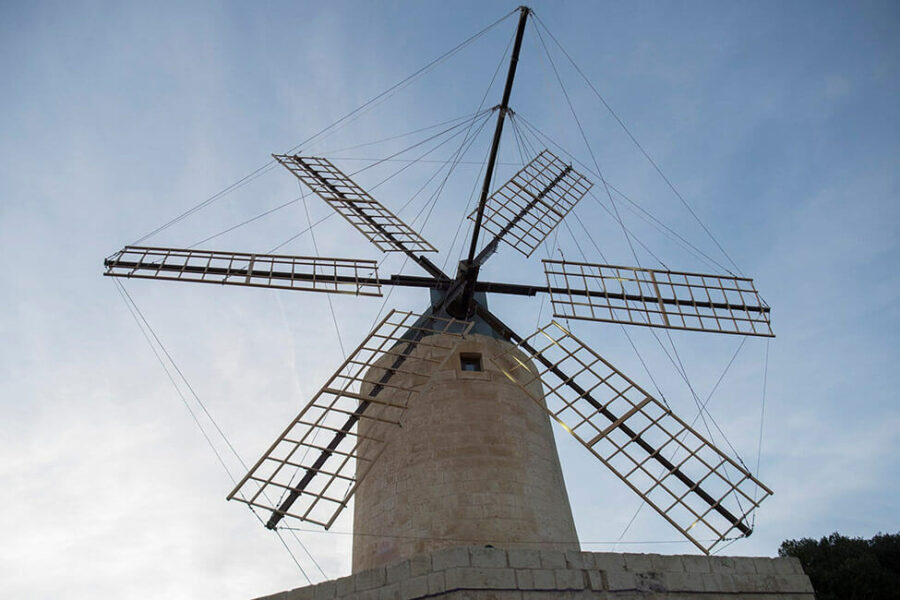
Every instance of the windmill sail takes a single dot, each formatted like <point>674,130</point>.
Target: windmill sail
<point>656,298</point>
<point>308,273</point>
<point>382,227</point>
<point>315,465</point>
<point>697,488</point>
<point>529,206</point>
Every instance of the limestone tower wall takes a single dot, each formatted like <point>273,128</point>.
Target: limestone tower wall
<point>473,462</point>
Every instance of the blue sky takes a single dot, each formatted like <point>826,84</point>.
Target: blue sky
<point>777,122</point>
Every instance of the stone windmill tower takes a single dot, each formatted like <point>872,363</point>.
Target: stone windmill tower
<point>439,423</point>
<point>473,462</point>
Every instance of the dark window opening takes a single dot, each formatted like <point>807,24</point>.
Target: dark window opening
<point>470,362</point>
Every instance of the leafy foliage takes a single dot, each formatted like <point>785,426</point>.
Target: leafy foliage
<point>849,568</point>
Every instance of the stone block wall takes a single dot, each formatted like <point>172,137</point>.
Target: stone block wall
<point>474,462</point>
<point>484,573</point>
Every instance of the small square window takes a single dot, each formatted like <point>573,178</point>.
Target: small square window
<point>470,362</point>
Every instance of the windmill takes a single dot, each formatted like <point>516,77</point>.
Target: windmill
<point>330,451</point>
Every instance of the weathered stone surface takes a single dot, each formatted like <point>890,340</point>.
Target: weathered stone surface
<point>325,591</point>
<point>415,587</point>
<point>609,561</point>
<point>695,563</point>
<point>790,583</point>
<point>597,580</point>
<point>553,560</point>
<point>524,579</point>
<point>621,580</point>
<point>488,557</point>
<point>796,583</point>
<point>518,574</point>
<point>544,579</point>
<point>763,565</point>
<point>728,565</point>
<point>397,572</point>
<point>483,595</point>
<point>437,583</point>
<point>475,459</point>
<point>371,578</point>
<point>685,582</point>
<point>638,562</point>
<point>787,565</point>
<point>450,557</point>
<point>663,563</point>
<point>367,594</point>
<point>578,560</point>
<point>521,558</point>
<point>650,582</point>
<point>389,592</point>
<point>344,586</point>
<point>718,582</point>
<point>419,565</point>
<point>304,593</point>
<point>476,578</point>
<point>278,596</point>
<point>569,579</point>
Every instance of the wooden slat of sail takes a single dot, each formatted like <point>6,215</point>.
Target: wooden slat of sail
<point>656,298</point>
<point>634,434</point>
<point>336,438</point>
<point>382,227</point>
<point>526,208</point>
<point>308,273</point>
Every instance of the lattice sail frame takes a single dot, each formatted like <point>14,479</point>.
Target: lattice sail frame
<point>622,405</point>
<point>529,206</point>
<point>382,227</point>
<point>656,298</point>
<point>351,397</point>
<point>307,273</point>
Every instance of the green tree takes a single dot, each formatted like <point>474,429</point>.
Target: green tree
<point>843,568</point>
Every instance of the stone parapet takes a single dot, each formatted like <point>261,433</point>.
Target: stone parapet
<point>479,573</point>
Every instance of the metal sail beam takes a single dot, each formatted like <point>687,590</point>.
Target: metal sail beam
<point>693,486</point>
<point>498,131</point>
<point>353,419</point>
<point>351,396</point>
<point>656,298</point>
<point>382,227</point>
<point>469,271</point>
<point>526,209</point>
<point>354,276</point>
<point>519,289</point>
<point>696,479</point>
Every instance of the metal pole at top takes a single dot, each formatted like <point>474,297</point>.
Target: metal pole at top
<point>471,270</point>
<point>495,145</point>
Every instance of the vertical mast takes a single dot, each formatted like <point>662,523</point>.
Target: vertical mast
<point>468,270</point>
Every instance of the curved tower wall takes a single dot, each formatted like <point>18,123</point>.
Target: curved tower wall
<point>474,463</point>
